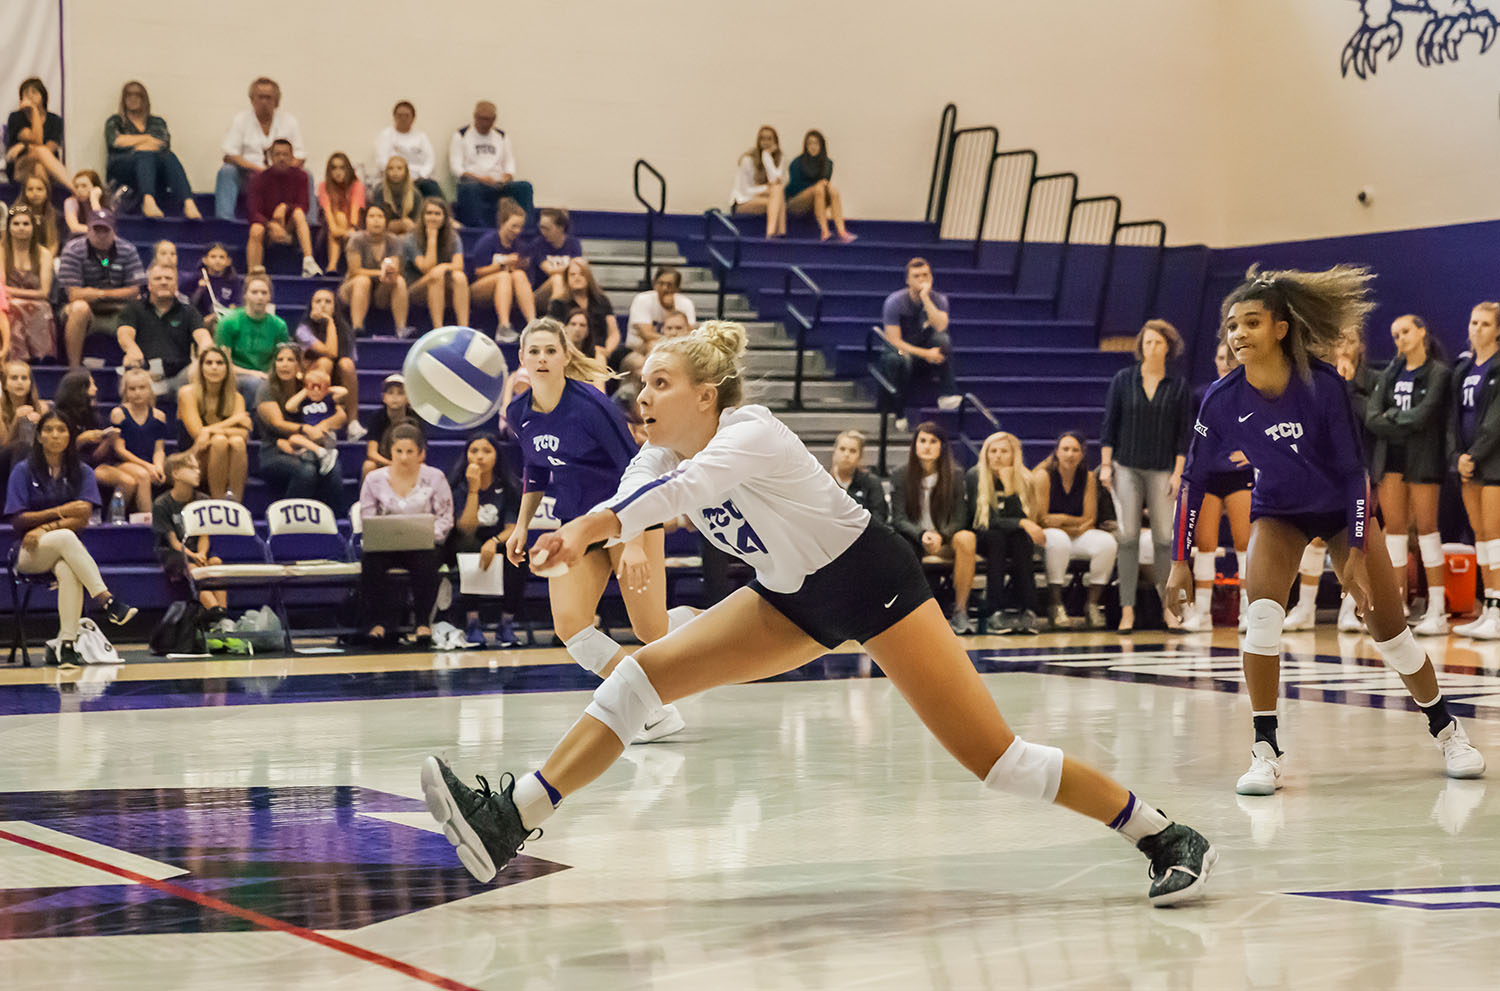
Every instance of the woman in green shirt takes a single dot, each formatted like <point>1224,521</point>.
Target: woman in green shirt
<point>250,333</point>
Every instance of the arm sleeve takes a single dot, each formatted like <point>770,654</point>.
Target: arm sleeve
<point>875,502</point>
<point>1109,435</point>
<point>1350,462</point>
<point>507,158</point>
<point>88,487</point>
<point>294,135</point>
<point>157,128</point>
<point>456,155</point>
<point>231,142</point>
<point>299,194</point>
<point>369,505</point>
<point>442,508</point>
<point>901,521</point>
<point>773,171</point>
<point>384,150</point>
<point>135,272</point>
<point>890,311</point>
<point>69,269</point>
<point>1185,417</point>
<point>1378,406</point>
<point>1487,432</point>
<point>1202,454</point>
<point>423,169</point>
<point>1429,408</point>
<point>111,132</point>
<point>15,490</point>
<point>960,515</point>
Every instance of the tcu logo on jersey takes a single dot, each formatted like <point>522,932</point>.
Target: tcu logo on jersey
<point>724,518</point>
<point>1285,431</point>
<point>546,442</point>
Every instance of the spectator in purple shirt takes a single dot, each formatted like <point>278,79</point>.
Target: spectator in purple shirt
<point>100,275</point>
<point>551,252</point>
<point>916,325</point>
<point>499,265</point>
<point>278,206</point>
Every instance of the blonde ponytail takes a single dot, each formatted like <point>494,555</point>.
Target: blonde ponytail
<point>712,355</point>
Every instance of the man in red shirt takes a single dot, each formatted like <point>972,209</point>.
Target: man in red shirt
<point>278,205</point>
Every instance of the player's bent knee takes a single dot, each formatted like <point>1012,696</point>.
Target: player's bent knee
<point>1402,654</point>
<point>625,701</point>
<point>1263,622</point>
<point>1030,770</point>
<point>592,648</point>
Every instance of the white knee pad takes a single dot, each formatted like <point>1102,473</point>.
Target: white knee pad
<point>1402,654</point>
<point>1481,554</point>
<point>679,616</point>
<point>625,700</point>
<point>592,648</point>
<point>1395,546</point>
<point>1263,622</point>
<point>1430,545</point>
<point>1312,561</point>
<point>1029,770</point>
<point>1203,566</point>
<point>1491,551</point>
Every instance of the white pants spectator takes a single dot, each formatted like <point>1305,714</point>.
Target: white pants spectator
<point>1094,546</point>
<point>63,554</point>
<point>1134,489</point>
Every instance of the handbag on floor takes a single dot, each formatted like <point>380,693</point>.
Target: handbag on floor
<point>180,630</point>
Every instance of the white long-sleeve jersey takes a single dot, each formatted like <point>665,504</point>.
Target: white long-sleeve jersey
<point>755,490</point>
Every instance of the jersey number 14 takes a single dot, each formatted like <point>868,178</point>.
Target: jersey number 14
<point>721,519</point>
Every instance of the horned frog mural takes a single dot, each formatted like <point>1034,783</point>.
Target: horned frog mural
<point>1446,24</point>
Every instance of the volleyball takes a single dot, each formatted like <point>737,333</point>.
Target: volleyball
<point>455,377</point>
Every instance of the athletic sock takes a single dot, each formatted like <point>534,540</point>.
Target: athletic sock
<point>1137,820</point>
<point>1265,729</point>
<point>535,799</point>
<point>1203,600</point>
<point>1437,599</point>
<point>1438,716</point>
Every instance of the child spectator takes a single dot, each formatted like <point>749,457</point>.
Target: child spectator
<point>20,404</point>
<point>215,420</point>
<point>26,269</point>
<point>435,267</point>
<point>314,405</point>
<point>499,264</point>
<point>809,187</point>
<point>36,196</point>
<point>375,259</point>
<point>168,533</point>
<point>394,409</point>
<point>140,444</point>
<point>551,252</point>
<point>278,206</point>
<point>95,445</point>
<point>758,184</point>
<point>327,342</point>
<point>88,196</point>
<point>581,291</point>
<point>214,288</point>
<point>341,197</point>
<point>399,195</point>
<point>481,160</point>
<point>413,147</point>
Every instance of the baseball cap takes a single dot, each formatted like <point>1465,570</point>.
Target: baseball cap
<point>102,218</point>
<point>396,379</point>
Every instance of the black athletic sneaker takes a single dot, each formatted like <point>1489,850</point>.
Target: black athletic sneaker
<point>484,826</point>
<point>66,653</point>
<point>119,613</point>
<point>1180,861</point>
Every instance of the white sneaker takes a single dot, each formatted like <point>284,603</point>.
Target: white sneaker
<point>506,334</point>
<point>1460,759</point>
<point>1264,776</point>
<point>949,403</point>
<point>1488,628</point>
<point>1197,622</point>
<point>1434,624</point>
<point>1301,618</point>
<point>327,459</point>
<point>357,431</point>
<point>663,723</point>
<point>1348,618</point>
<point>1467,629</point>
<point>309,267</point>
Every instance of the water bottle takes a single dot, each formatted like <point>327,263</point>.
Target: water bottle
<point>117,508</point>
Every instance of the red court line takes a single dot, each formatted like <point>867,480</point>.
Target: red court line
<point>254,918</point>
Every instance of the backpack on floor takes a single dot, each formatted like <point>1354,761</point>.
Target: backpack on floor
<point>180,630</point>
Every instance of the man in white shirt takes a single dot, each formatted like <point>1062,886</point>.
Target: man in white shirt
<point>247,147</point>
<point>400,139</point>
<point>481,159</point>
<point>649,309</point>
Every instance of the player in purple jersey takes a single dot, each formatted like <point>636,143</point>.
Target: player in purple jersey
<point>575,446</point>
<point>1474,434</point>
<point>1289,412</point>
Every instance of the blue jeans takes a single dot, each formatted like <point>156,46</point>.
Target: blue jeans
<point>477,202</point>
<point>900,369</point>
<point>291,477</point>
<point>157,174</point>
<point>233,180</point>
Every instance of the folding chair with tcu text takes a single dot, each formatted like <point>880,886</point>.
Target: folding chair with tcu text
<point>305,541</point>
<point>230,530</point>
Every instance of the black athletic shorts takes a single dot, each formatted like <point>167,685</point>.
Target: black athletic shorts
<point>1227,483</point>
<point>858,595</point>
<point>1395,464</point>
<point>1314,526</point>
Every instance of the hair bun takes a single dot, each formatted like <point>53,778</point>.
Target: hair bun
<point>728,336</point>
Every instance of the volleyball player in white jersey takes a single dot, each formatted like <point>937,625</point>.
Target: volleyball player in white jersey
<point>826,573</point>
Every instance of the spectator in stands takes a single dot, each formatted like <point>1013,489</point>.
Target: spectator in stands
<point>810,188</point>
<point>327,343</point>
<point>26,269</point>
<point>435,266</point>
<point>576,326</point>
<point>485,501</point>
<point>1000,493</point>
<point>215,419</point>
<point>214,288</point>
<point>649,309</point>
<point>140,446</point>
<point>21,406</point>
<point>1147,419</point>
<point>341,198</point>
<point>36,196</point>
<point>248,142</point>
<point>101,275</point>
<point>158,333</point>
<point>95,444</point>
<point>916,325</point>
<point>163,252</point>
<point>482,160</point>
<point>169,534</point>
<point>50,497</point>
<point>399,196</point>
<point>250,335</point>
<point>847,469</point>
<point>499,264</point>
<point>4,320</point>
<point>288,475</point>
<point>314,405</point>
<point>407,487</point>
<point>376,259</point>
<point>412,146</point>
<point>551,252</point>
<point>278,208</point>
<point>34,137</point>
<point>394,409</point>
<point>581,292</point>
<point>929,509</point>
<point>759,183</point>
<point>88,196</point>
<point>141,156</point>
<point>1071,504</point>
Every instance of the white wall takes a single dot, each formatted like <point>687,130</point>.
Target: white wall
<point>1228,118</point>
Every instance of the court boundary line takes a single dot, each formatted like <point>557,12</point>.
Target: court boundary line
<point>255,918</point>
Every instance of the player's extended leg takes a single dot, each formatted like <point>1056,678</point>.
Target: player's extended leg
<point>1385,618</point>
<point>1272,559</point>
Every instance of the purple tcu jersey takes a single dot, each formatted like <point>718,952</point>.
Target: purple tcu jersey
<point>1304,445</point>
<point>576,453</point>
